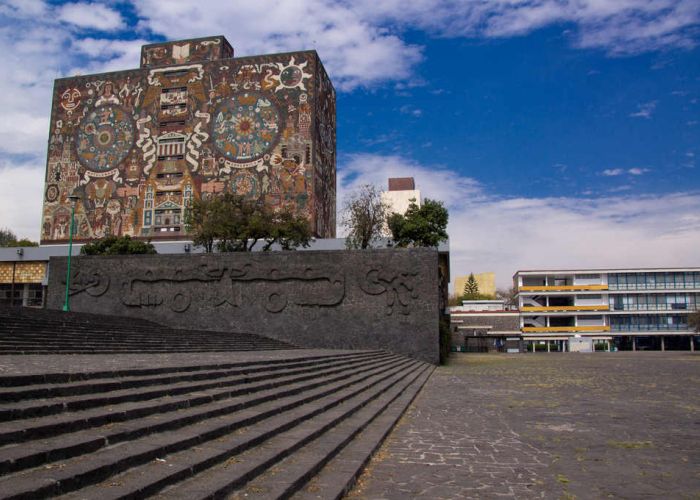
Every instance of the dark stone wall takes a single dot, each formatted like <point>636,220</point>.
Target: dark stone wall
<point>363,299</point>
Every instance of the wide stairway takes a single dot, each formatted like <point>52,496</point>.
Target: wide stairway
<point>300,424</point>
<point>44,331</point>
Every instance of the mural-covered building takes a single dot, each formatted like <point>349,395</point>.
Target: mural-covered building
<point>139,145</point>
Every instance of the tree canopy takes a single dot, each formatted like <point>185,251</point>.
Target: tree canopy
<point>424,226</point>
<point>694,321</point>
<point>118,245</point>
<point>471,288</point>
<point>231,223</point>
<point>9,239</point>
<point>364,215</point>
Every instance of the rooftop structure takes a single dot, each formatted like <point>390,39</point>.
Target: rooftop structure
<point>138,146</point>
<point>402,191</point>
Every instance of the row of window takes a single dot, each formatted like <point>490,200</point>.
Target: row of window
<point>642,281</point>
<point>31,294</point>
<point>655,302</point>
<point>651,322</point>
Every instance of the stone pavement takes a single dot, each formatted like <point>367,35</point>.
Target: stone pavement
<point>603,425</point>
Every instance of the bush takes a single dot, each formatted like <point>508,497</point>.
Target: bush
<point>118,245</point>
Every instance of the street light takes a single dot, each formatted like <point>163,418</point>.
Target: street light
<point>73,200</point>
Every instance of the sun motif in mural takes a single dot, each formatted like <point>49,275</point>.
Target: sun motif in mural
<point>104,138</point>
<point>246,127</point>
<point>292,75</point>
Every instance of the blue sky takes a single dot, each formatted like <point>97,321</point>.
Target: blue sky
<point>559,133</point>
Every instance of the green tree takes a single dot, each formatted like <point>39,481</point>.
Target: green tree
<point>471,289</point>
<point>424,226</point>
<point>364,215</point>
<point>231,223</point>
<point>508,296</point>
<point>694,321</point>
<point>118,245</point>
<point>203,220</point>
<point>288,230</point>
<point>9,239</point>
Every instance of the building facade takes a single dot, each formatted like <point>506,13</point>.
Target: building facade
<point>485,281</point>
<point>484,326</point>
<point>625,309</point>
<point>138,146</point>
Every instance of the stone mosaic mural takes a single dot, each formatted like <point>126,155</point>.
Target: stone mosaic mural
<point>139,146</point>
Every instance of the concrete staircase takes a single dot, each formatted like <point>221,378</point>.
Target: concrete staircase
<point>40,331</point>
<point>283,426</point>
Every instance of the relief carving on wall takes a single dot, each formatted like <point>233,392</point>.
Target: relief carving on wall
<point>398,287</point>
<point>91,281</point>
<point>274,289</point>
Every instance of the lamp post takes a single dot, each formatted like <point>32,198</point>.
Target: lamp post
<point>73,200</point>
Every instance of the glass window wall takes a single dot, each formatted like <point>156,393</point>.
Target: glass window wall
<point>653,281</point>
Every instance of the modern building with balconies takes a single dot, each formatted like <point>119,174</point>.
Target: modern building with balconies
<point>626,309</point>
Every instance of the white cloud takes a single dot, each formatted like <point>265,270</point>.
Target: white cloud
<point>21,195</point>
<point>495,233</point>
<point>407,109</point>
<point>614,172</point>
<point>90,15</point>
<point>644,110</point>
<point>355,50</point>
<point>610,172</point>
<point>619,27</point>
<point>637,171</point>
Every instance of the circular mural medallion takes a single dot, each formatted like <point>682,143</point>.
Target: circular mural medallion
<point>52,193</point>
<point>246,127</point>
<point>291,76</point>
<point>105,137</point>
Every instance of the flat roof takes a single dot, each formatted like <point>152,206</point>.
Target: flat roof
<point>610,270</point>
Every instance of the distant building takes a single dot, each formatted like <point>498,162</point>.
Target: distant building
<point>486,282</point>
<point>627,309</point>
<point>402,191</point>
<point>484,326</point>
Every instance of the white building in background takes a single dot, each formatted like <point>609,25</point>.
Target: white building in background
<point>626,308</point>
<point>402,191</point>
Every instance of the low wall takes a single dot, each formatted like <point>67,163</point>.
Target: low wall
<point>363,299</point>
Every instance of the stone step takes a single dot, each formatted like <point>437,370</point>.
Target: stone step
<point>83,432</point>
<point>57,344</point>
<point>69,377</point>
<point>41,408</point>
<point>287,411</point>
<point>120,381</point>
<point>212,471</point>
<point>286,462</point>
<point>337,476</point>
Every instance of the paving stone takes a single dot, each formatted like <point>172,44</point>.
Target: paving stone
<point>546,426</point>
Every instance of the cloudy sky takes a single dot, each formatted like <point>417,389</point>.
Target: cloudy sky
<point>559,133</point>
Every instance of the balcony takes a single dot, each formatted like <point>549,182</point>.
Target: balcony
<point>565,329</point>
<point>557,288</point>
<point>601,307</point>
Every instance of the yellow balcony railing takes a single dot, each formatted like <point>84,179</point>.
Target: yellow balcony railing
<point>601,307</point>
<point>565,329</point>
<point>555,288</point>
